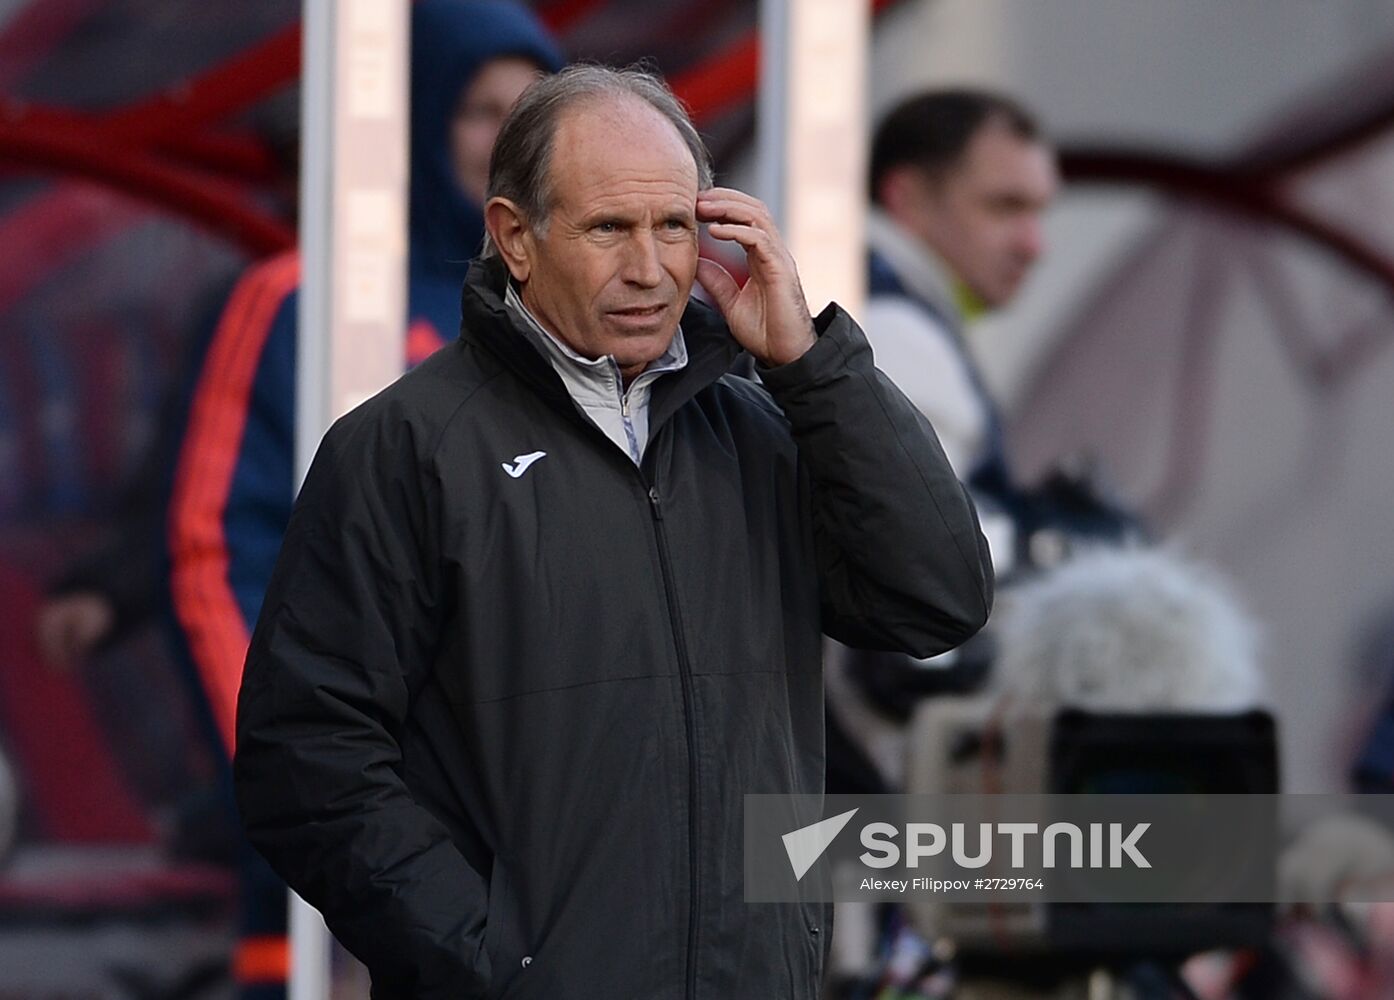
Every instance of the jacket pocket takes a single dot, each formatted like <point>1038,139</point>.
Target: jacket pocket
<point>817,937</point>
<point>503,940</point>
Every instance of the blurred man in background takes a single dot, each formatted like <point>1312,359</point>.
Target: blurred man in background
<point>960,180</point>
<point>470,60</point>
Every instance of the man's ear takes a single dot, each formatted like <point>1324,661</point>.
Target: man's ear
<point>510,233</point>
<point>909,196</point>
<point>903,191</point>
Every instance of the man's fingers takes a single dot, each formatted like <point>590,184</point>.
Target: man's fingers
<point>730,205</point>
<point>718,283</point>
<point>68,628</point>
<point>717,211</point>
<point>750,237</point>
<point>730,194</point>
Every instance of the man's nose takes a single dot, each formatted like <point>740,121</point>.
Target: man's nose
<point>641,261</point>
<point>1031,238</point>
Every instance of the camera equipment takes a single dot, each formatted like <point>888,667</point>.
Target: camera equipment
<point>980,745</point>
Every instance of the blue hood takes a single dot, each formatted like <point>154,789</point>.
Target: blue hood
<point>450,41</point>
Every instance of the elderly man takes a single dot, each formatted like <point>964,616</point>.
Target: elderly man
<point>550,605</point>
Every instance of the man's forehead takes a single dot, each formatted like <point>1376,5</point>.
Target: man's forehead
<point>614,137</point>
<point>998,159</point>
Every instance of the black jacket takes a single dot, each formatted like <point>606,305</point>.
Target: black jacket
<point>498,729</point>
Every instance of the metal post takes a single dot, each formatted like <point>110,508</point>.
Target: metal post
<point>353,219</point>
<point>812,139</point>
<point>811,147</point>
<point>352,305</point>
<point>771,106</point>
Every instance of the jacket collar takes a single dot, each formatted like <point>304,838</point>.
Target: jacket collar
<point>488,322</point>
<point>919,269</point>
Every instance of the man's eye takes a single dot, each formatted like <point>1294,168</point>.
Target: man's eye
<point>606,227</point>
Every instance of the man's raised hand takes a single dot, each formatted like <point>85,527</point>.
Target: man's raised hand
<point>768,317</point>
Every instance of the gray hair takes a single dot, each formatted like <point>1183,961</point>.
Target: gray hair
<point>520,167</point>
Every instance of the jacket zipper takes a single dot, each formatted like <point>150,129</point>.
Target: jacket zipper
<point>685,671</point>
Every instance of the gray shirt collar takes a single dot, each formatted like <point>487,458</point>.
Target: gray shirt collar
<point>590,369</point>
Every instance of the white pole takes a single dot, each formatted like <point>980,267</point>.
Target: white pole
<point>353,222</point>
<point>811,146</point>
<point>352,306</point>
<point>771,107</point>
<point>316,199</point>
<point>825,185</point>
<point>812,139</point>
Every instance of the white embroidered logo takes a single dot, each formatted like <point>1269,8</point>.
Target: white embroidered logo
<point>521,463</point>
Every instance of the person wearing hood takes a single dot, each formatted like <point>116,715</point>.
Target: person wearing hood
<point>234,483</point>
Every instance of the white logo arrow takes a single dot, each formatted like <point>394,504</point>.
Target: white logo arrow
<point>521,463</point>
<point>807,844</point>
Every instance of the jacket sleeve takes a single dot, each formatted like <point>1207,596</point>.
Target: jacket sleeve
<point>345,635</point>
<point>233,482</point>
<point>901,560</point>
